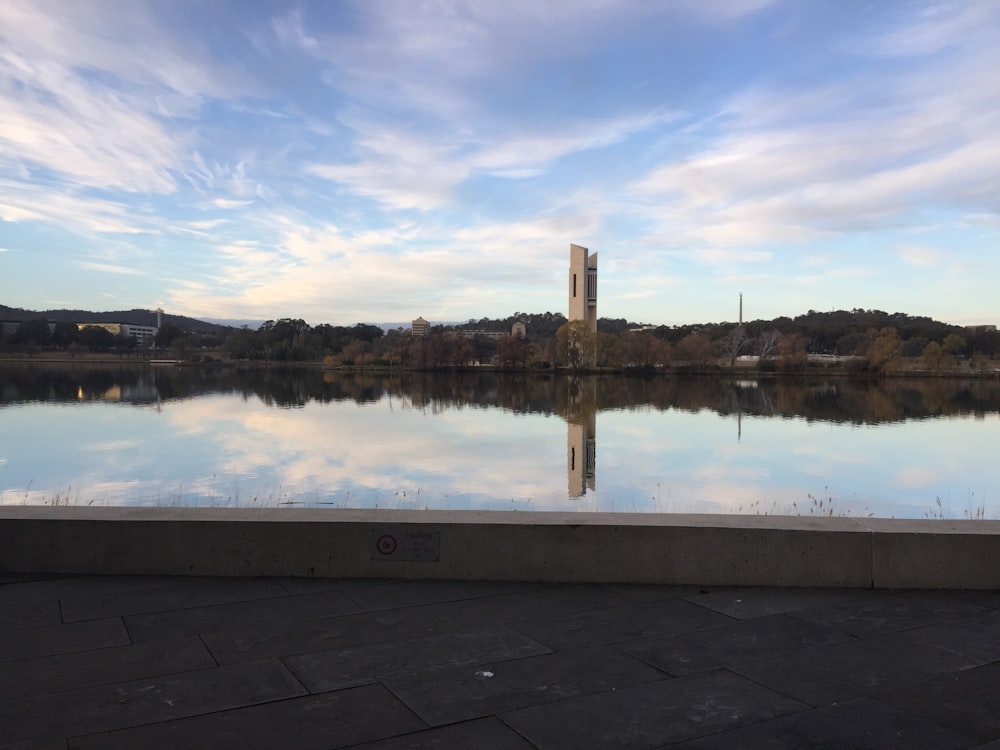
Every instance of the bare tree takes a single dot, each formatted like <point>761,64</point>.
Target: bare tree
<point>767,343</point>
<point>733,343</point>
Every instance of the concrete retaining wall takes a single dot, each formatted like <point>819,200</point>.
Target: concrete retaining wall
<point>594,547</point>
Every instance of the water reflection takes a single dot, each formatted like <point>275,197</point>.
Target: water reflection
<point>581,436</point>
<point>574,399</point>
<point>493,440</point>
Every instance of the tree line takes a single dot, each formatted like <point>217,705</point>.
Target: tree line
<point>871,340</point>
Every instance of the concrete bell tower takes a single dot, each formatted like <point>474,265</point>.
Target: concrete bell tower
<point>583,286</point>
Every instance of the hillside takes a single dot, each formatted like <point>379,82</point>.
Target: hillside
<point>135,317</point>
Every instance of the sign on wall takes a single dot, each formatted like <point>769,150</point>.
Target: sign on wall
<point>405,544</point>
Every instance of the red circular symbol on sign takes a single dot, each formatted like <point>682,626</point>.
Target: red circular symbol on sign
<point>386,544</point>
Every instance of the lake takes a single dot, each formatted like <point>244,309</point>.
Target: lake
<point>184,436</point>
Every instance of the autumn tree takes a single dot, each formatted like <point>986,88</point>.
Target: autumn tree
<point>934,356</point>
<point>354,352</point>
<point>792,355</point>
<point>576,344</point>
<point>885,351</point>
<point>953,344</point>
<point>513,352</point>
<point>609,351</point>
<point>460,350</point>
<point>640,349</point>
<point>695,349</point>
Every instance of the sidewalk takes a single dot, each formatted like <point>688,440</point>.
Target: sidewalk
<point>173,662</point>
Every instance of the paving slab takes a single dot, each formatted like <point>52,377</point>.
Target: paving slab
<point>401,664</point>
<point>967,702</point>
<point>150,700</point>
<point>861,724</point>
<point>852,670</point>
<point>261,640</point>
<point>890,612</point>
<point>54,674</point>
<point>478,734</point>
<point>26,614</point>
<point>56,586</point>
<point>652,715</point>
<point>735,642</point>
<point>23,577</point>
<point>413,593</point>
<point>614,624</point>
<point>745,603</point>
<point>177,594</point>
<point>977,636</point>
<point>525,605</point>
<point>315,722</point>
<point>646,592</point>
<point>32,745</point>
<point>400,659</point>
<point>447,696</point>
<point>314,585</point>
<point>272,612</point>
<point>28,643</point>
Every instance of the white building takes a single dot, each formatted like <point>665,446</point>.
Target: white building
<point>420,327</point>
<point>143,334</point>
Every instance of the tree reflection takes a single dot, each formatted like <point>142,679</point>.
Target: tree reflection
<point>574,398</point>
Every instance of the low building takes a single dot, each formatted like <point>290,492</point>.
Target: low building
<point>143,334</point>
<point>517,331</point>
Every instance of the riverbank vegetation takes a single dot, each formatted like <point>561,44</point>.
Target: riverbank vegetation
<point>856,342</point>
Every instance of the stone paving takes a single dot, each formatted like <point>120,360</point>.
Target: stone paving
<point>173,662</point>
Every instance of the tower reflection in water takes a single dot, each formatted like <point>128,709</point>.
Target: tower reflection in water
<point>581,456</point>
<point>581,436</point>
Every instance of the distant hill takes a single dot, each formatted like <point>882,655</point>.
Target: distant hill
<point>236,322</point>
<point>134,317</point>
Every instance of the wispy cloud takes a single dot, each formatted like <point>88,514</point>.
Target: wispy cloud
<point>109,268</point>
<point>921,255</point>
<point>260,162</point>
<point>409,170</point>
<point>937,26</point>
<point>859,159</point>
<point>24,202</point>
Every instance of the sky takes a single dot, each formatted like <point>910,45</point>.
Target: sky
<point>380,160</point>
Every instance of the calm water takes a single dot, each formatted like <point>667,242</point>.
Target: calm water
<point>184,436</point>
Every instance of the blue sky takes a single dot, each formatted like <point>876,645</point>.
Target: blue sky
<point>376,161</point>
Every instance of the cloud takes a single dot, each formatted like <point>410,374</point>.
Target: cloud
<point>938,26</point>
<point>721,257</point>
<point>21,202</point>
<point>403,169</point>
<point>92,92</point>
<point>857,154</point>
<point>335,274</point>
<point>110,268</point>
<point>228,203</point>
<point>920,255</point>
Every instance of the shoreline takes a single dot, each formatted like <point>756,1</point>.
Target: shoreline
<point>815,370</point>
